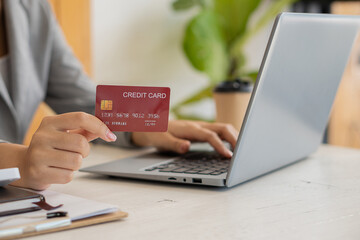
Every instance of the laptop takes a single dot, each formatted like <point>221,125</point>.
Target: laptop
<point>287,114</point>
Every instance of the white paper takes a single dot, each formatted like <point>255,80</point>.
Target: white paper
<point>8,175</point>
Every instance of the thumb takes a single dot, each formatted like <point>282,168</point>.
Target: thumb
<point>170,143</point>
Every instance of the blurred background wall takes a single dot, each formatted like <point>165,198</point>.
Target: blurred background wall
<point>138,42</point>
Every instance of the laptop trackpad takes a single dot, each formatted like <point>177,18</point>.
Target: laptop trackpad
<point>132,164</point>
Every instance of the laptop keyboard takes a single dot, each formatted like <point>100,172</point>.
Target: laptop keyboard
<point>207,163</point>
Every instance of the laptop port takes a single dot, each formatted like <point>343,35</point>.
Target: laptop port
<point>172,178</point>
<point>197,180</point>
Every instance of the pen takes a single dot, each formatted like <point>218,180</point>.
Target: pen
<point>29,228</point>
<point>56,214</point>
<point>56,221</point>
<point>48,215</point>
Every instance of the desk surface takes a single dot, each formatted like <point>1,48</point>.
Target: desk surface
<point>318,198</point>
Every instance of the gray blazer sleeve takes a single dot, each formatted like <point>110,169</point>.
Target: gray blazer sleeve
<point>69,88</point>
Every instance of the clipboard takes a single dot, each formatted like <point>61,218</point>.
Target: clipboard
<point>81,212</point>
<point>110,217</point>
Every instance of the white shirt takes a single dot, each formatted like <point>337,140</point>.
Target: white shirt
<point>5,71</point>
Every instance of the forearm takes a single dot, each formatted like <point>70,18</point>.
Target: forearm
<point>11,156</point>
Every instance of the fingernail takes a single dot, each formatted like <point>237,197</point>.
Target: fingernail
<point>229,153</point>
<point>111,136</point>
<point>184,147</point>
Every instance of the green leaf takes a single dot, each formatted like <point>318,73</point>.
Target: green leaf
<point>275,8</point>
<point>205,47</point>
<point>251,75</point>
<point>201,94</point>
<point>198,96</point>
<point>234,16</point>
<point>181,5</point>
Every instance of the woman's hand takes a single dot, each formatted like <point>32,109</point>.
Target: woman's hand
<point>58,147</point>
<point>181,133</point>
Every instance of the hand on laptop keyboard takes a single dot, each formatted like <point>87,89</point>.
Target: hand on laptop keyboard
<point>180,134</point>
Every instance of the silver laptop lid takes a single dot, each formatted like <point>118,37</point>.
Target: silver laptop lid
<point>290,105</point>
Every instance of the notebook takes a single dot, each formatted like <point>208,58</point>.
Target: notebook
<point>16,200</point>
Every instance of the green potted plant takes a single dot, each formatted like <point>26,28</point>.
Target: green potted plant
<point>214,41</point>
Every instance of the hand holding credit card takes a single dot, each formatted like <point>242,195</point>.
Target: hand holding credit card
<point>132,108</point>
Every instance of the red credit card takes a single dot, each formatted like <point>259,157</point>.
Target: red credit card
<point>133,109</point>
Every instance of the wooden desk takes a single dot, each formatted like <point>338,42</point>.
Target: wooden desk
<point>318,198</point>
